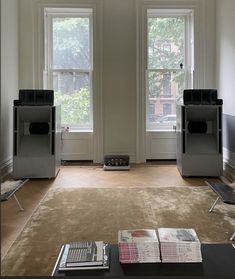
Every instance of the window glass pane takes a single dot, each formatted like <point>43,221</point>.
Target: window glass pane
<point>165,42</point>
<point>72,91</point>
<point>71,43</point>
<point>164,87</point>
<point>167,110</point>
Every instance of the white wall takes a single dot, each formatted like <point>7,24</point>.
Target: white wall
<point>118,63</point>
<point>118,67</point>
<point>9,77</point>
<point>225,23</point>
<point>225,76</point>
<point>119,77</point>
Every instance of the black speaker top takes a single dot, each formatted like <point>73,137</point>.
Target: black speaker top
<point>16,102</point>
<point>36,97</point>
<point>219,102</point>
<point>200,96</point>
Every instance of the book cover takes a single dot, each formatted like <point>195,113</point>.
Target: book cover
<point>177,235</point>
<point>142,235</point>
<point>83,254</point>
<point>104,265</point>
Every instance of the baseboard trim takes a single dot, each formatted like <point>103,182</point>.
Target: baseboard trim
<point>229,165</point>
<point>6,167</point>
<point>229,171</point>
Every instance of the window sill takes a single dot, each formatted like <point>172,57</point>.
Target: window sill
<point>76,134</point>
<point>78,131</point>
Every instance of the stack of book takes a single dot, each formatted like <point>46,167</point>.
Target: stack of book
<point>138,246</point>
<point>179,245</point>
<point>84,255</point>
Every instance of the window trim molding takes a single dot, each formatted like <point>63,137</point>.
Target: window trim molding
<point>38,62</point>
<point>198,7</point>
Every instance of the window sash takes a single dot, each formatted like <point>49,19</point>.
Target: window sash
<point>155,125</point>
<point>76,73</point>
<point>49,14</point>
<point>187,70</point>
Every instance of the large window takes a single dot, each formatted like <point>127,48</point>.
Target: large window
<point>169,55</point>
<point>68,64</point>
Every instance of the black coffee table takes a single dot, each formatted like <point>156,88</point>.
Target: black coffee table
<point>218,262</point>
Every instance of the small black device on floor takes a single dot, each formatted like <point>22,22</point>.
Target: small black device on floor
<point>116,162</point>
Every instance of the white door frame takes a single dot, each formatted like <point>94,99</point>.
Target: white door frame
<point>38,41</point>
<point>141,11</point>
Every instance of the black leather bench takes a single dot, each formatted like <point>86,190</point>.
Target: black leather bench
<point>14,187</point>
<point>225,193</point>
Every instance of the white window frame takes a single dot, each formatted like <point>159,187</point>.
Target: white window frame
<point>189,38</point>
<point>188,66</point>
<point>202,76</point>
<point>49,13</point>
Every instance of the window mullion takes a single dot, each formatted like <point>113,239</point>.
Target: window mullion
<point>71,70</point>
<point>164,70</point>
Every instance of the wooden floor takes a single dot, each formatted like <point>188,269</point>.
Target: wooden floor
<point>151,174</point>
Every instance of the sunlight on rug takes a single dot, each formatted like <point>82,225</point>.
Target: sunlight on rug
<point>72,214</point>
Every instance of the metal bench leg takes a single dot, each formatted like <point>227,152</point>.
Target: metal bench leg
<point>233,236</point>
<point>214,204</point>
<point>21,208</point>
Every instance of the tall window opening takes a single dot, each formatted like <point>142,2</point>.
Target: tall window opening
<point>69,64</point>
<point>169,64</point>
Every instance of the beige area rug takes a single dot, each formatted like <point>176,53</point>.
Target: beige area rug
<point>73,214</point>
